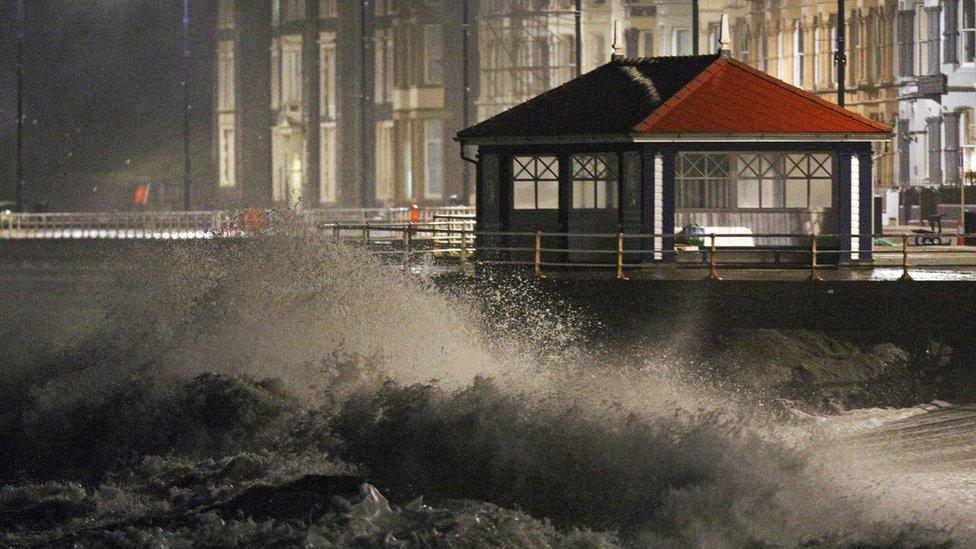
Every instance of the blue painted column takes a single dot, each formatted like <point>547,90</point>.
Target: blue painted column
<point>669,161</point>
<point>842,198</point>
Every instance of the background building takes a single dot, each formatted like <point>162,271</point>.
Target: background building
<point>386,84</point>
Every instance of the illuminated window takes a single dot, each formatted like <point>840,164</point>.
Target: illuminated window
<point>535,182</point>
<point>754,181</point>
<point>225,76</point>
<point>594,181</point>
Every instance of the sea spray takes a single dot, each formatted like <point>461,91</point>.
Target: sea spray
<point>234,365</point>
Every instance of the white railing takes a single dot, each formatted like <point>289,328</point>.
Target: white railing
<point>193,225</point>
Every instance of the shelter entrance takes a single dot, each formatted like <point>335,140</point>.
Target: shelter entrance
<point>593,205</point>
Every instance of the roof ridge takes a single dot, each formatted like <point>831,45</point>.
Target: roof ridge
<point>678,97</point>
<point>800,92</point>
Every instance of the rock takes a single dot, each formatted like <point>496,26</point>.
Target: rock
<point>307,497</point>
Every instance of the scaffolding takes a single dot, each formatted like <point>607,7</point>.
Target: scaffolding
<point>525,47</point>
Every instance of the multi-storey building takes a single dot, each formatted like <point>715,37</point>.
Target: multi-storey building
<point>386,84</point>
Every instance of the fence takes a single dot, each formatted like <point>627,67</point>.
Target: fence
<point>195,225</point>
<point>557,254</point>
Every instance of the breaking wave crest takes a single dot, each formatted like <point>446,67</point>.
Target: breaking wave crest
<point>245,392</point>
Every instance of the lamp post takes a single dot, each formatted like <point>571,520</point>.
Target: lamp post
<point>21,23</point>
<point>694,26</point>
<point>840,56</point>
<point>187,166</point>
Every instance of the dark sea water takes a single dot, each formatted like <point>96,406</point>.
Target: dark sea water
<point>288,391</point>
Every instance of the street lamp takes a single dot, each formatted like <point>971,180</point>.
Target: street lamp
<point>186,105</point>
<point>21,23</point>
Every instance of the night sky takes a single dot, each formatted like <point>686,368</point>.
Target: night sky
<point>103,101</point>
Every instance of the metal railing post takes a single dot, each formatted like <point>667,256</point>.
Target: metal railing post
<point>335,232</point>
<point>620,257</point>
<point>366,235</point>
<point>407,244</point>
<point>713,260</point>
<point>814,272</point>
<point>905,277</point>
<point>538,255</point>
<point>464,247</point>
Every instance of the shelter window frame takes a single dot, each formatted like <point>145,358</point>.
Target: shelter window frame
<point>761,181</point>
<point>535,182</point>
<point>595,181</point>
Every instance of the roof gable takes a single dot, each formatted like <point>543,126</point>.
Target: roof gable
<point>705,94</point>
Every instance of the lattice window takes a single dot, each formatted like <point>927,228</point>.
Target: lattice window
<point>594,181</point>
<point>535,182</point>
<point>704,181</point>
<point>755,180</point>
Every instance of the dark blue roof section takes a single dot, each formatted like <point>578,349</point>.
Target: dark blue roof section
<point>611,99</point>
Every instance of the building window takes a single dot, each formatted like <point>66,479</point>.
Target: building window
<point>225,76</point>
<point>225,14</point>
<point>433,55</point>
<point>681,42</point>
<point>383,68</point>
<point>327,81</point>
<point>384,161</point>
<point>227,158</point>
<point>328,184</point>
<point>833,53</point>
<point>594,181</point>
<point>818,50</point>
<point>275,75</point>
<point>921,40</point>
<point>294,10</point>
<point>780,57</point>
<point>968,31</point>
<point>434,159</point>
<point>762,51</point>
<point>291,83</point>
<point>797,53</point>
<point>647,44</point>
<point>754,181</point>
<point>535,182</point>
<point>328,9</point>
